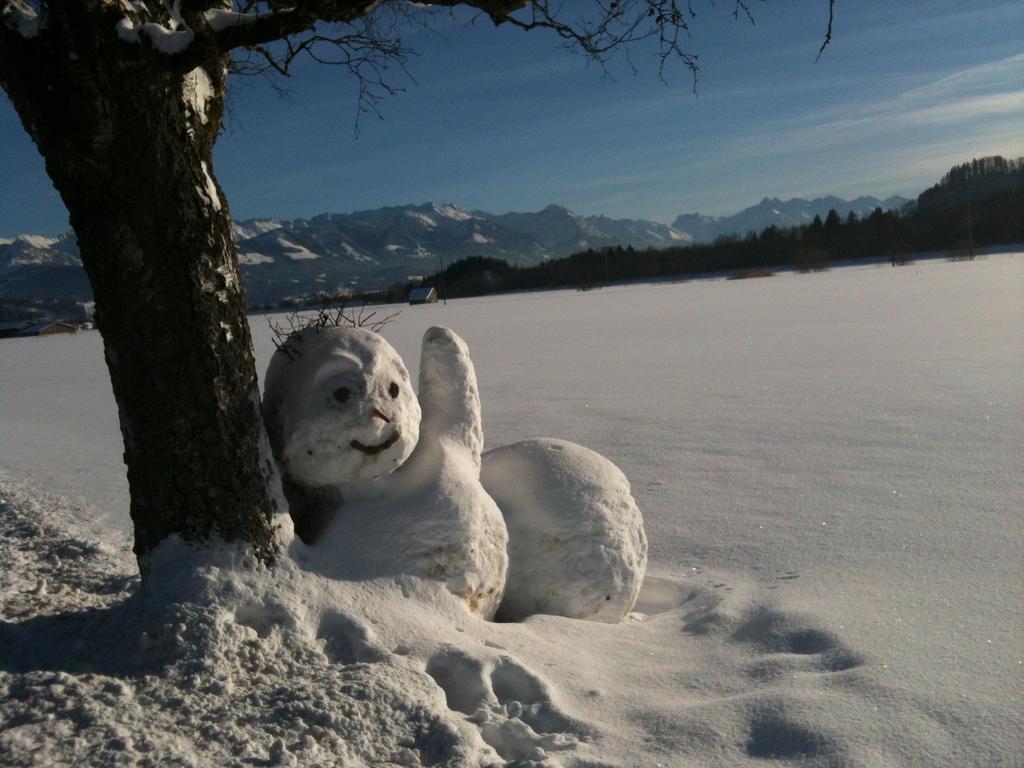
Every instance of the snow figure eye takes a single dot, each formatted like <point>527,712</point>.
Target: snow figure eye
<point>393,390</point>
<point>341,394</point>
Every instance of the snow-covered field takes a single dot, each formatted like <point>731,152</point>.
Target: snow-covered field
<point>830,470</point>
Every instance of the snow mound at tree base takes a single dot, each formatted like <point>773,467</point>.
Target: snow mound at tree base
<point>220,662</point>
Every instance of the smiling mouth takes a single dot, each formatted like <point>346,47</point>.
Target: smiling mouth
<point>373,450</point>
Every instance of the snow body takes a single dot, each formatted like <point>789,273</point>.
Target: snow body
<point>432,518</point>
<point>577,546</point>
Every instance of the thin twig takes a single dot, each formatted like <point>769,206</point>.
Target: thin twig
<point>333,312</point>
<point>828,32</point>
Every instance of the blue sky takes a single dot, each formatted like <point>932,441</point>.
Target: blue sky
<point>505,120</point>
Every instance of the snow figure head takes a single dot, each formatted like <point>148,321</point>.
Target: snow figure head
<point>339,407</point>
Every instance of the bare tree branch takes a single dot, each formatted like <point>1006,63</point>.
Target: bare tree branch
<point>267,37</point>
<point>828,32</point>
<point>608,27</point>
<point>742,6</point>
<point>615,26</point>
<point>367,49</point>
<point>251,26</point>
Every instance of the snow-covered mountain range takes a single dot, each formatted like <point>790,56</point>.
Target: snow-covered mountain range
<point>772,211</point>
<point>371,249</point>
<point>37,267</point>
<point>376,248</point>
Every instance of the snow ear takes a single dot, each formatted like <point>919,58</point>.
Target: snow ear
<point>448,393</point>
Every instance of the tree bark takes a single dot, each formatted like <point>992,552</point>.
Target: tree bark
<point>127,137</point>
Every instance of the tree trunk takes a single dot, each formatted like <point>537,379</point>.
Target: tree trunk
<point>128,142</point>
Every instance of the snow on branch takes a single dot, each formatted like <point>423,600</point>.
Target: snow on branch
<point>221,19</point>
<point>249,27</point>
<point>163,39</point>
<point>20,17</point>
<point>160,23</point>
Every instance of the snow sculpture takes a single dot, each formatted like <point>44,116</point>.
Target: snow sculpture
<point>384,488</point>
<point>339,409</point>
<point>339,406</point>
<point>577,546</point>
<point>342,419</point>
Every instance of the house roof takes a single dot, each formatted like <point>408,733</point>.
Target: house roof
<point>32,330</point>
<point>421,293</point>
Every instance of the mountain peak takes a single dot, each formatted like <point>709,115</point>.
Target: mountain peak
<point>772,211</point>
<point>33,241</point>
<point>451,211</point>
<point>557,209</point>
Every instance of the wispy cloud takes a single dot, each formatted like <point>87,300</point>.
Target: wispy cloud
<point>630,149</point>
<point>988,93</point>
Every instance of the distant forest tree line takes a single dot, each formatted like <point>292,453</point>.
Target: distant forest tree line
<point>977,204</point>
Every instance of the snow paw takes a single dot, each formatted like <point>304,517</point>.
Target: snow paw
<point>511,706</point>
<point>518,743</point>
<point>347,641</point>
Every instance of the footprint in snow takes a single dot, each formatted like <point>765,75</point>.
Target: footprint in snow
<point>348,641</point>
<point>511,706</point>
<point>767,705</point>
<point>791,643</point>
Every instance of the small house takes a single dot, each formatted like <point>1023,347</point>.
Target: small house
<point>422,296</point>
<point>13,328</point>
<point>49,328</point>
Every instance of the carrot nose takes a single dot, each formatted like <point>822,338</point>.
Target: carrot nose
<point>381,415</point>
